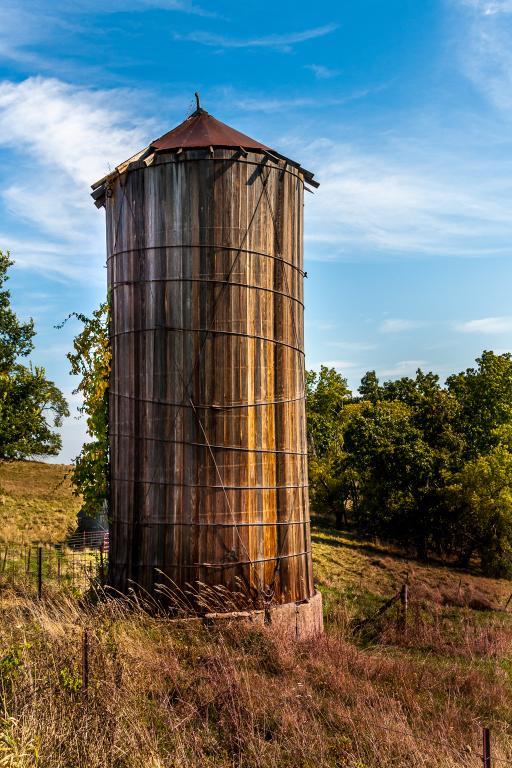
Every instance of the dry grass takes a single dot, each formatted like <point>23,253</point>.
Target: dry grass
<point>36,502</point>
<point>342,561</point>
<point>178,695</point>
<point>175,695</point>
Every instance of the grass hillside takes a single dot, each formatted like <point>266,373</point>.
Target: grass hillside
<point>36,502</point>
<point>368,694</point>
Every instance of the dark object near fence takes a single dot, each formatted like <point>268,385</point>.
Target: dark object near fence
<point>486,744</point>
<point>207,418</point>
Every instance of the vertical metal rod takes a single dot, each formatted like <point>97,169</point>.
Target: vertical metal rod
<point>5,559</point>
<point>102,566</point>
<point>404,602</point>
<point>85,660</point>
<point>59,559</point>
<point>29,554</point>
<point>486,744</point>
<point>39,572</point>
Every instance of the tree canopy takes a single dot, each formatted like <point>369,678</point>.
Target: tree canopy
<point>31,406</point>
<point>90,360</point>
<point>424,465</point>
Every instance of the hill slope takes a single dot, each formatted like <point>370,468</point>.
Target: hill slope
<point>36,502</point>
<point>370,694</point>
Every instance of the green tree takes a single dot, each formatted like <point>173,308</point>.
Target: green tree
<point>394,467</point>
<point>91,361</point>
<point>30,405</point>
<point>327,394</point>
<point>482,495</point>
<point>484,395</point>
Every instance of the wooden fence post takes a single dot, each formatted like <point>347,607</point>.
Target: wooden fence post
<point>486,744</point>
<point>39,572</point>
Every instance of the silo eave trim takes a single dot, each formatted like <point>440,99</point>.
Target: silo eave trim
<point>149,152</point>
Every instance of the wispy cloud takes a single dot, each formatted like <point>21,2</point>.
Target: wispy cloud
<point>321,72</point>
<point>410,197</point>
<point>397,325</point>
<point>63,138</point>
<point>340,364</point>
<point>485,52</point>
<point>358,346</point>
<point>403,368</point>
<point>123,6</point>
<point>489,7</point>
<point>283,42</point>
<point>487,325</point>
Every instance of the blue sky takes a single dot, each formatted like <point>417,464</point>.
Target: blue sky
<point>402,108</point>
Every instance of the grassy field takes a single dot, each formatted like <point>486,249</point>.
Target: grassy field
<point>36,502</point>
<point>368,694</point>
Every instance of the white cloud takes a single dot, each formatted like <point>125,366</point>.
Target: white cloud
<point>489,7</point>
<point>69,128</point>
<point>321,72</point>
<point>487,325</point>
<point>283,42</point>
<point>397,325</point>
<point>411,197</point>
<point>403,368</point>
<point>122,6</point>
<point>277,104</point>
<point>65,138</point>
<point>339,364</point>
<point>354,345</point>
<point>485,52</point>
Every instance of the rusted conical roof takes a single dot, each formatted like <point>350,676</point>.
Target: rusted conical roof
<point>199,131</point>
<point>203,130</point>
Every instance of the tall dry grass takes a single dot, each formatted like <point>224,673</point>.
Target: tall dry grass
<point>178,694</point>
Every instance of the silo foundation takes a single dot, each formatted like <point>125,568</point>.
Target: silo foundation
<point>301,620</point>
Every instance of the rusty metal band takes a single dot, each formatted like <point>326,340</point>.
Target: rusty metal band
<point>210,247</point>
<point>208,406</point>
<point>171,484</point>
<point>149,523</point>
<point>212,331</point>
<point>241,449</point>
<point>122,283</point>
<point>234,564</point>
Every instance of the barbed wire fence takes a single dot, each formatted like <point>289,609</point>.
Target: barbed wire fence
<point>81,561</point>
<point>77,562</point>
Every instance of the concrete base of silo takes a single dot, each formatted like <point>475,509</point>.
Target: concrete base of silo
<point>297,621</point>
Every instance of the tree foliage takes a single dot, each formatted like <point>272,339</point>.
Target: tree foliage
<point>91,361</point>
<point>424,465</point>
<point>327,394</point>
<point>31,406</point>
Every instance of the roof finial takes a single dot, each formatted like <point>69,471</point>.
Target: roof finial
<point>198,103</point>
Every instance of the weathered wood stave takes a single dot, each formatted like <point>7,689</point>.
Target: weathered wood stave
<point>180,252</point>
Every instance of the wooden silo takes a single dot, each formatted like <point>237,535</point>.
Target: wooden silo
<point>207,419</point>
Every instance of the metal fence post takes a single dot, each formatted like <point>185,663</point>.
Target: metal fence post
<point>39,572</point>
<point>85,660</point>
<point>102,566</point>
<point>486,744</point>
<point>404,606</point>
